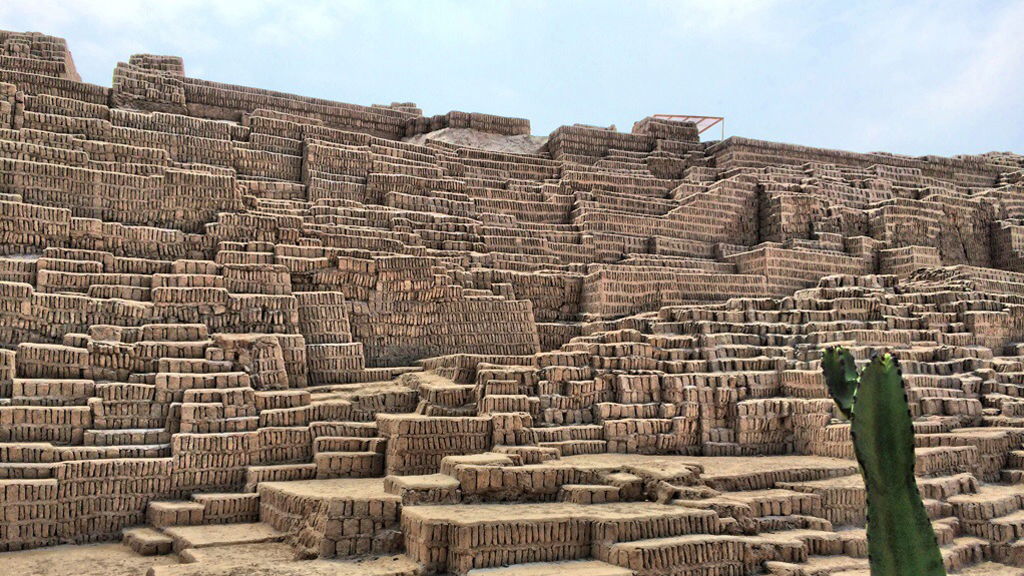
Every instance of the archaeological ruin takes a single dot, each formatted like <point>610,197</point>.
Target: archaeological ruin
<point>248,329</point>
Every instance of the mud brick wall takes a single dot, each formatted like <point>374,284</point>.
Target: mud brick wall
<point>570,538</point>
<point>735,152</point>
<point>230,102</point>
<point>345,525</point>
<point>173,65</point>
<point>789,270</point>
<point>37,53</point>
<point>906,223</point>
<point>178,199</point>
<point>1007,246</point>
<point>85,501</point>
<point>610,292</point>
<point>968,224</point>
<point>786,216</point>
<point>135,241</point>
<point>554,296</point>
<point>568,141</point>
<point>178,257</point>
<point>261,356</point>
<point>402,331</point>
<point>7,372</point>
<point>904,261</point>
<point>147,88</point>
<point>59,424</point>
<point>35,84</point>
<point>667,129</point>
<point>8,101</point>
<point>323,317</point>
<point>31,316</point>
<point>99,498</point>
<point>501,481</point>
<point>253,227</point>
<point>474,120</point>
<point>28,228</point>
<point>30,512</point>
<point>480,538</point>
<point>271,279</point>
<point>330,362</point>
<point>654,435</point>
<point>417,444</point>
<point>463,368</point>
<point>212,461</point>
<point>553,335</point>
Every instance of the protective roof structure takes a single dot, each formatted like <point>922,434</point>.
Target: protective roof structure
<point>703,122</point>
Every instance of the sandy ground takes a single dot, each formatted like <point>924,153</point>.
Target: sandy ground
<point>85,560</point>
<point>469,138</point>
<point>991,569</point>
<point>269,559</point>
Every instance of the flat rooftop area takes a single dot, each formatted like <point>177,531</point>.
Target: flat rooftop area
<point>536,512</point>
<point>336,488</point>
<point>714,466</point>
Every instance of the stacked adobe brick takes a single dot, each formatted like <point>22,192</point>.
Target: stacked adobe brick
<point>213,291</point>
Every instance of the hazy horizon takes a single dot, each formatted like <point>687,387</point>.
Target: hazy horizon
<point>913,78</point>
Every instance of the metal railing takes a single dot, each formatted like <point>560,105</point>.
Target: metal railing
<point>703,122</point>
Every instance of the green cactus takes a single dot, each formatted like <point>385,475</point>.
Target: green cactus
<point>901,541</point>
<point>841,377</point>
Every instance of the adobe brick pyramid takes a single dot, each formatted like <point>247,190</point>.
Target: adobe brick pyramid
<point>245,328</point>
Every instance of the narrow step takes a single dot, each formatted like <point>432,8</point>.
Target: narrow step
<point>563,433</point>
<point>963,552</point>
<point>162,514</point>
<point>25,471</point>
<point>229,508</point>
<point>349,464</point>
<point>990,501</point>
<point>777,502</point>
<point>254,475</point>
<point>348,444</point>
<point>229,564</point>
<point>147,541</point>
<point>588,493</point>
<point>222,535</point>
<point>358,429</point>
<point>1001,530</point>
<point>127,437</point>
<point>51,392</point>
<point>819,566</point>
<point>726,553</point>
<point>128,451</point>
<point>577,447</point>
<point>567,568</point>
<point>193,365</point>
<point>424,489</point>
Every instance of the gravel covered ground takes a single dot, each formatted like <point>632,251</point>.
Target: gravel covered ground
<point>470,138</point>
<point>85,560</point>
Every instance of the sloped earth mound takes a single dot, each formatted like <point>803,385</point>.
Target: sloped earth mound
<point>470,138</point>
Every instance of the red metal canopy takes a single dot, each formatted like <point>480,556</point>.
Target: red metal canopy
<point>703,122</point>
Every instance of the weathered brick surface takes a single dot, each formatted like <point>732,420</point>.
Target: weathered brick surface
<point>222,305</point>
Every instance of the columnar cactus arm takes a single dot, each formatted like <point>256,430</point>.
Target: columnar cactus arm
<point>840,377</point>
<point>901,541</point>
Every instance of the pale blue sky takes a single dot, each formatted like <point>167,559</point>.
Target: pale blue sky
<point>914,77</point>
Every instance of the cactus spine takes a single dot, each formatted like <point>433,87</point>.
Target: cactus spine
<point>901,541</point>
